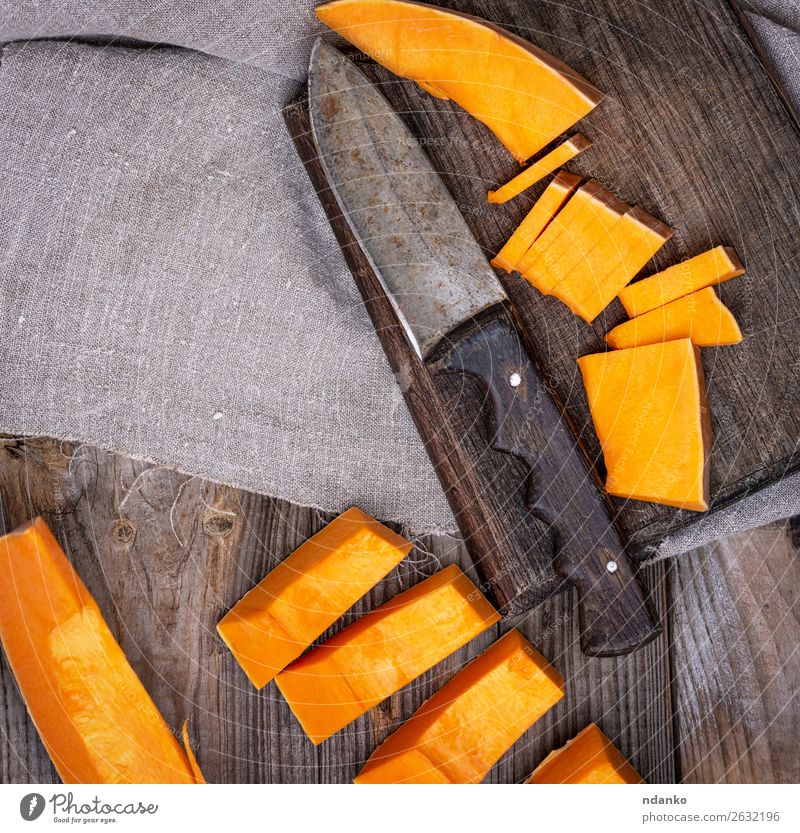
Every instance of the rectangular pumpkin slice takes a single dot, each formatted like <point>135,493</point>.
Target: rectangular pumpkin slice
<point>568,215</point>
<point>95,719</point>
<point>540,169</point>
<point>343,678</point>
<point>589,758</point>
<point>579,233</point>
<point>620,253</point>
<point>525,96</point>
<point>536,221</point>
<point>650,413</point>
<point>707,269</point>
<point>306,593</point>
<point>458,735</point>
<point>701,316</point>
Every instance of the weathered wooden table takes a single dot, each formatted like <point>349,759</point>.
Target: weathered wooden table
<point>714,699</point>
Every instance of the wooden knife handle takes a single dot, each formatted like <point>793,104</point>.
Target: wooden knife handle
<point>615,616</point>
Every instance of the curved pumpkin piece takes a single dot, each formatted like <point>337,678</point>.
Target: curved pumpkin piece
<point>95,718</point>
<point>589,758</point>
<point>525,96</point>
<point>650,413</point>
<point>701,316</point>
<point>458,735</point>
<point>187,746</point>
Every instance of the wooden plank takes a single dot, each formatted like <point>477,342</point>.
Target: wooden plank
<point>165,555</point>
<point>679,137</point>
<point>736,631</point>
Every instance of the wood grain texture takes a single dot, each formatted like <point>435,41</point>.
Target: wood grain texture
<point>736,610</point>
<point>165,555</point>
<point>695,132</point>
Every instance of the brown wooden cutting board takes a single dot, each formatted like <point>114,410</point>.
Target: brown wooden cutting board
<point>694,131</point>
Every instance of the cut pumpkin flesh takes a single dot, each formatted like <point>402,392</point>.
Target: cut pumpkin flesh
<point>649,410</point>
<point>611,262</point>
<point>523,95</point>
<point>571,234</point>
<point>97,722</point>
<point>707,269</point>
<point>540,169</point>
<point>304,595</point>
<point>701,316</point>
<point>462,731</point>
<point>545,208</point>
<point>589,758</point>
<point>343,678</point>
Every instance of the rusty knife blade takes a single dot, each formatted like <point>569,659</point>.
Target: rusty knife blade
<point>431,267</point>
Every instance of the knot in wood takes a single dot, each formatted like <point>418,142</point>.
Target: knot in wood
<point>218,524</point>
<point>123,531</point>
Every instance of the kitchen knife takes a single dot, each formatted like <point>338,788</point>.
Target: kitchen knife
<point>457,317</point>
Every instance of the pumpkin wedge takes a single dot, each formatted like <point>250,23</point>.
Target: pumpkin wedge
<point>95,718</point>
<point>707,269</point>
<point>343,678</point>
<point>540,169</point>
<point>573,232</point>
<point>525,96</point>
<point>589,758</point>
<point>458,735</point>
<point>305,594</point>
<point>608,265</point>
<point>649,410</point>
<point>701,316</point>
<point>545,208</point>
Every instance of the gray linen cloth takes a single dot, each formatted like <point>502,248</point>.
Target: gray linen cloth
<point>170,287</point>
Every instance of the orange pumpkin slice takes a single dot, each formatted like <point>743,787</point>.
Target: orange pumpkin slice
<point>523,95</point>
<point>573,232</point>
<point>95,718</point>
<point>343,678</point>
<point>540,169</point>
<point>649,410</point>
<point>545,208</point>
<point>701,316</point>
<point>707,269</point>
<point>306,593</point>
<point>589,758</point>
<point>608,265</point>
<point>462,731</point>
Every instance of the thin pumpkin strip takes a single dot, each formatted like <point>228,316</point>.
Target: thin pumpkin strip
<point>536,221</point>
<point>707,269</point>
<point>540,169</point>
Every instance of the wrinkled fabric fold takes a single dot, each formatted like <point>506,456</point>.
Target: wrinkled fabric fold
<point>171,287</point>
